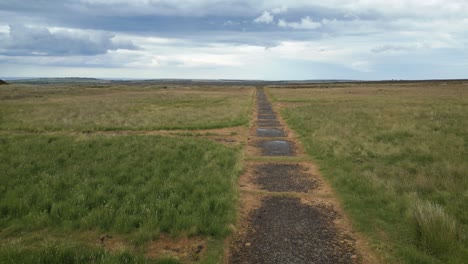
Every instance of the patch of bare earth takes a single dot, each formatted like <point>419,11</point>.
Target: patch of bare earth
<point>186,250</point>
<point>227,136</point>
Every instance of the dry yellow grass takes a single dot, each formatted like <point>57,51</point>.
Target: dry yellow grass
<point>82,108</point>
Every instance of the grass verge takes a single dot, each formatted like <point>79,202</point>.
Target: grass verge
<point>383,147</point>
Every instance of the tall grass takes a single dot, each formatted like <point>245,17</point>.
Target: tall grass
<point>381,146</point>
<point>82,108</point>
<point>54,253</point>
<point>436,231</point>
<point>134,186</point>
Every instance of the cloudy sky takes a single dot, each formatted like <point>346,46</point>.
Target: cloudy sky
<point>240,39</point>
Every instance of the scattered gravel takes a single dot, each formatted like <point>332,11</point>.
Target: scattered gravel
<point>280,177</point>
<point>285,231</point>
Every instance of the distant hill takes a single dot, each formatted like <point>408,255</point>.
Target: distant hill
<point>3,82</point>
<point>58,80</point>
<point>221,82</point>
<point>200,82</point>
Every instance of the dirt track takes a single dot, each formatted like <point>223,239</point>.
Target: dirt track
<point>287,215</point>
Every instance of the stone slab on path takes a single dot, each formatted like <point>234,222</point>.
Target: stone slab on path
<point>268,123</point>
<point>270,132</point>
<point>266,116</point>
<point>276,148</point>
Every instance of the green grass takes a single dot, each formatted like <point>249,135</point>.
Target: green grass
<point>436,231</point>
<point>69,253</point>
<point>135,187</point>
<point>87,107</point>
<point>383,147</point>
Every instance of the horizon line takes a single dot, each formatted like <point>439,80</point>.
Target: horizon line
<point>224,79</point>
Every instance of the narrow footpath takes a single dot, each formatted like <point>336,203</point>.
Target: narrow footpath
<point>288,212</point>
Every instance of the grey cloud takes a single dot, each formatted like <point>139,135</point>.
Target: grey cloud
<point>40,41</point>
<point>162,16</point>
<point>368,32</point>
<point>196,20</point>
<point>395,48</point>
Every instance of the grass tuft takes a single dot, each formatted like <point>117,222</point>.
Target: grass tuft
<point>436,231</point>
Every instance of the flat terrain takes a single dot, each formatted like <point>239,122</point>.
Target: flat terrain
<point>396,154</point>
<point>88,107</point>
<point>191,173</point>
<point>93,163</point>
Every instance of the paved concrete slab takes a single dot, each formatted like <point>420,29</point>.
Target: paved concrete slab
<point>270,132</point>
<point>276,148</point>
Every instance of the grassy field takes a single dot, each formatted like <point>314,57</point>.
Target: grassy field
<point>132,186</point>
<point>61,192</point>
<point>82,107</point>
<point>397,156</point>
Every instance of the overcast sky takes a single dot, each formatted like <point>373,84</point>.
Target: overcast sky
<point>243,39</point>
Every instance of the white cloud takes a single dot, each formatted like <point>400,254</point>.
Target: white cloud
<point>4,29</point>
<point>305,23</point>
<point>266,18</point>
<point>231,23</point>
<point>279,10</point>
<point>391,48</point>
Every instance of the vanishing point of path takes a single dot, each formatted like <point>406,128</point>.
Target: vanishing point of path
<point>288,213</point>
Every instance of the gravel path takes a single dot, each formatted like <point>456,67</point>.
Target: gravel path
<point>280,177</point>
<point>285,231</point>
<point>282,229</point>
